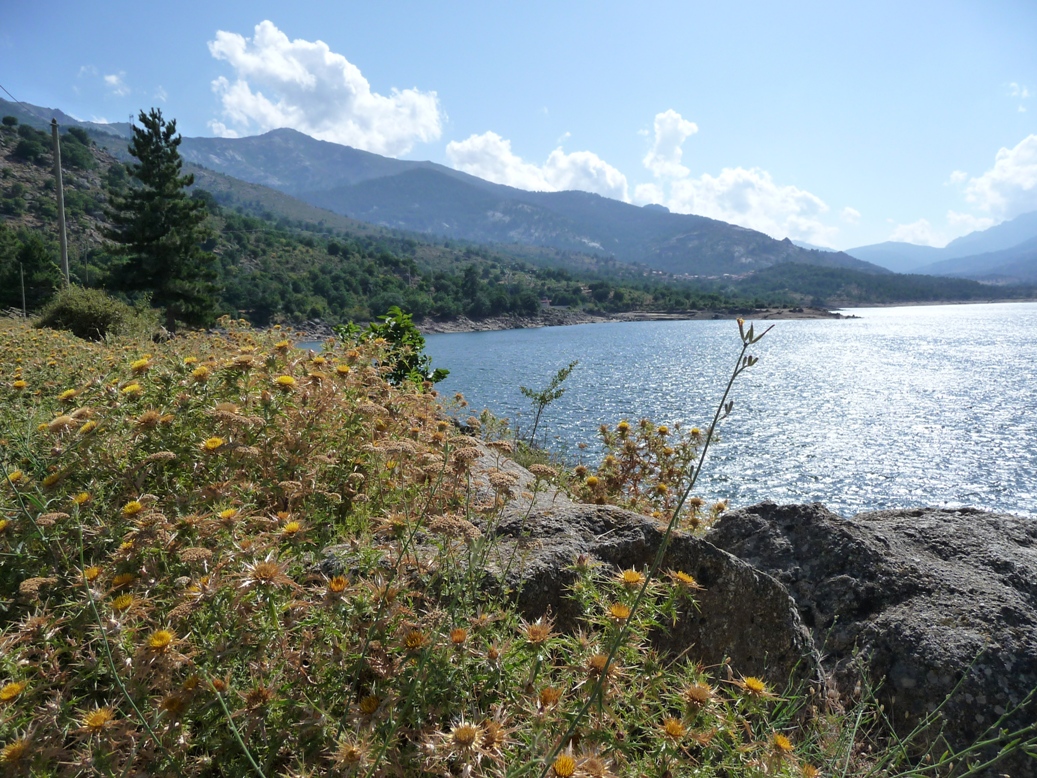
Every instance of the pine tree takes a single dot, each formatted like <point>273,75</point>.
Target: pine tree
<point>160,229</point>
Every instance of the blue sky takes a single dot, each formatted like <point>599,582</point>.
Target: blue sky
<point>840,124</point>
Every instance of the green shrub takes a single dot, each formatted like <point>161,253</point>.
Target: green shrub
<point>86,313</point>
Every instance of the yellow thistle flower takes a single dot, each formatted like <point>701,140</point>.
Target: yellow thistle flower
<point>663,431</point>
<point>87,428</point>
<point>228,513</point>
<point>684,580</point>
<point>20,384</point>
<point>3,525</point>
<point>414,640</point>
<point>458,636</point>
<point>369,705</point>
<point>337,585</point>
<point>283,345</point>
<point>14,751</point>
<point>82,498</point>
<point>161,640</point>
<point>619,612</point>
<point>91,573</point>
<point>67,396</point>
<point>754,687</point>
<point>132,508</point>
<point>11,690</point>
<point>564,766</point>
<point>123,579</point>
<point>549,696</point>
<point>122,602</point>
<point>285,382</point>
<point>291,528</point>
<point>343,369</point>
<point>623,427</point>
<point>190,360</point>
<point>140,365</point>
<point>782,745</point>
<point>318,360</point>
<point>213,444</point>
<point>592,481</point>
<point>200,373</point>
<point>15,476</point>
<point>631,578</point>
<point>132,389</point>
<point>673,729</point>
<point>98,719</point>
<point>52,479</point>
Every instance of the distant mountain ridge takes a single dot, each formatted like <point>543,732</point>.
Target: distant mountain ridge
<point>995,254</point>
<point>430,198</point>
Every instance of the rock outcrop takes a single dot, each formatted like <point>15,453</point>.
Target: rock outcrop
<point>744,617</point>
<point>933,602</point>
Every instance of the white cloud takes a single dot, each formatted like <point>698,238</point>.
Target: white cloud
<point>850,215</point>
<point>745,196</point>
<point>957,177</point>
<point>116,84</point>
<point>664,158</point>
<point>489,156</point>
<point>161,94</point>
<point>1021,92</point>
<point>751,198</point>
<point>1009,188</point>
<point>1018,90</point>
<point>921,233</point>
<point>306,86</point>
<point>964,223</point>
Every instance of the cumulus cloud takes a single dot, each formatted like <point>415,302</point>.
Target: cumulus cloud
<point>664,158</point>
<point>964,223</point>
<point>745,196</point>
<point>1020,92</point>
<point>489,156</point>
<point>1009,188</point>
<point>920,232</point>
<point>116,84</point>
<point>306,86</point>
<point>850,215</point>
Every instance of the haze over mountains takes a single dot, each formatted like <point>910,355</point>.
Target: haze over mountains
<point>432,199</point>
<point>1005,253</point>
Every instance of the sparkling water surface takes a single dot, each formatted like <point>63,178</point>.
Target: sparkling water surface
<point>902,407</point>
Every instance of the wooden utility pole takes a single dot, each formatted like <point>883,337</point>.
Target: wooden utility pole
<point>61,199</point>
<point>21,271</point>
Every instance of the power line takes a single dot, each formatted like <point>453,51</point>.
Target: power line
<point>26,106</point>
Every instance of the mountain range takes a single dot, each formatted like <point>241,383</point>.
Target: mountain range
<point>434,200</point>
<point>1004,253</point>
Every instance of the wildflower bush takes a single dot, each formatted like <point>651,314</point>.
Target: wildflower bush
<point>224,556</point>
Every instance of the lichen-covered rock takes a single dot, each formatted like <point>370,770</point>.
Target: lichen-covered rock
<point>930,598</point>
<point>743,616</point>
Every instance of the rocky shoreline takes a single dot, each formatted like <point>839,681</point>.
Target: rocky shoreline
<point>935,608</point>
<point>560,317</point>
<point>316,330</point>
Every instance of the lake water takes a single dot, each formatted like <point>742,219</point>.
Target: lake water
<point>903,407</point>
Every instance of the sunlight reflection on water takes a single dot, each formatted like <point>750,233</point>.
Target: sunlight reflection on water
<point>933,405</point>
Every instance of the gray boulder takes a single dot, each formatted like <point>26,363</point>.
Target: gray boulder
<point>935,601</point>
<point>744,617</point>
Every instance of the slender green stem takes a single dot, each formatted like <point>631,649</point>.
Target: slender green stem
<point>722,409</point>
<point>237,736</point>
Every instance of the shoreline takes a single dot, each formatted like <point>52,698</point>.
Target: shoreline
<point>566,317</point>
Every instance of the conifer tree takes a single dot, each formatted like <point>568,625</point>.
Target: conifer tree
<point>160,229</point>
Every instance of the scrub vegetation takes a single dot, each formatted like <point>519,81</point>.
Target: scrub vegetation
<point>225,556</point>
